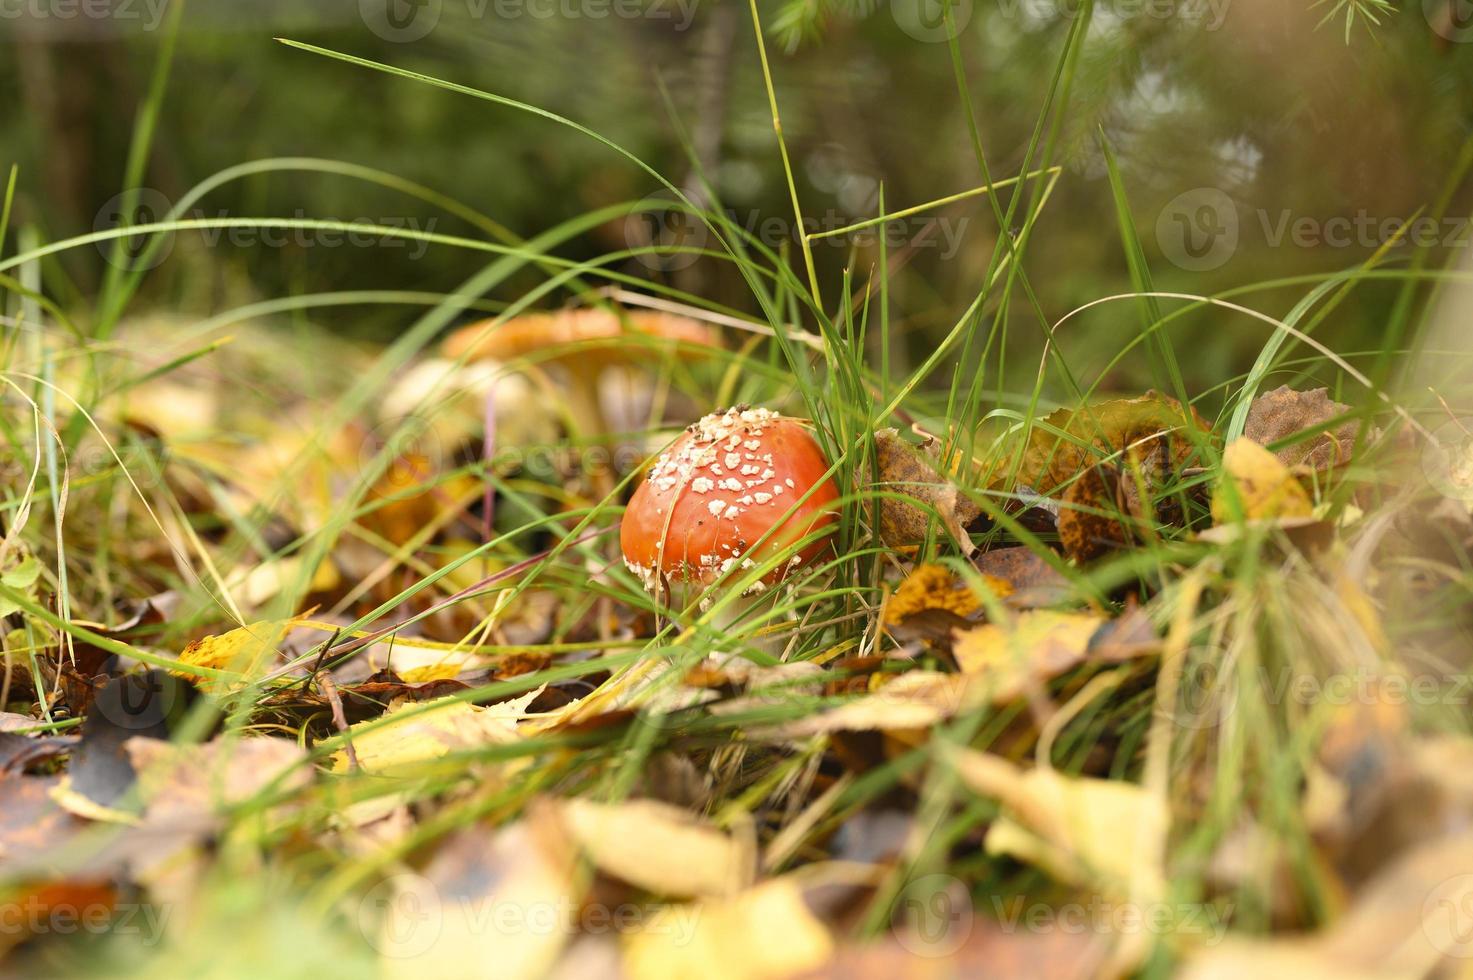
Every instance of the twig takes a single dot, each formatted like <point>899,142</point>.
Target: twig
<point>317,665</point>
<point>339,717</point>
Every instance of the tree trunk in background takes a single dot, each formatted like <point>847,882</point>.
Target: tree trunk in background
<point>77,92</point>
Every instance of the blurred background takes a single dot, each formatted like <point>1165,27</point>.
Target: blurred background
<point>1259,140</point>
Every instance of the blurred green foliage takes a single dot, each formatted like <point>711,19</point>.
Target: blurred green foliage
<point>1292,121</point>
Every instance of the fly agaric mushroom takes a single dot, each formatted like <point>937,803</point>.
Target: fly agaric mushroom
<point>730,492</point>
<point>560,335</point>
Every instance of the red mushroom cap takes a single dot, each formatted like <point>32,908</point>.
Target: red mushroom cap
<point>709,499</point>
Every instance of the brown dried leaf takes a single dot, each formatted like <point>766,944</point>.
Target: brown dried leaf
<point>146,704</point>
<point>11,721</point>
<point>907,470</point>
<point>1283,412</point>
<point>20,752</point>
<point>192,783</point>
<point>32,823</point>
<point>1152,431</point>
<point>1034,582</point>
<point>1126,637</point>
<point>1088,527</point>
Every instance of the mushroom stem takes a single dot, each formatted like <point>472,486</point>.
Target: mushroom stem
<point>586,413</point>
<point>583,404</point>
<point>725,619</point>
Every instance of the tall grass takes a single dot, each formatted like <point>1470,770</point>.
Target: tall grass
<point>1249,613</point>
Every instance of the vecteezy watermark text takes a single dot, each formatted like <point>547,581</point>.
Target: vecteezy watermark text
<point>405,21</point>
<point>669,237</point>
<point>146,250</point>
<point>39,915</point>
<point>407,916</point>
<point>143,14</point>
<point>1207,698</point>
<point>1107,917</point>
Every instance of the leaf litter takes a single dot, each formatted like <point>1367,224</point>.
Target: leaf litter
<point>526,767</point>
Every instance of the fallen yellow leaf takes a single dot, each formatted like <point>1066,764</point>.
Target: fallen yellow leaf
<point>937,587</point>
<point>267,580</point>
<point>658,847</point>
<point>245,650</point>
<point>1037,645</point>
<point>916,699</point>
<point>425,730</point>
<point>1098,832</point>
<point>1257,486</point>
<point>765,933</point>
<point>488,905</point>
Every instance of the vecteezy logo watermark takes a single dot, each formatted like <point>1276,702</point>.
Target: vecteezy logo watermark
<point>408,448</point>
<point>933,915</point>
<point>129,209</point>
<point>146,15</point>
<point>932,20</point>
<point>1203,699</point>
<point>667,236</point>
<point>141,251</point>
<point>407,915</point>
<point>402,21</point>
<point>1447,459</point>
<point>1451,19</point>
<point>1198,230</point>
<point>1447,917</point>
<point>405,21</point>
<point>402,916</point>
<point>150,702</point>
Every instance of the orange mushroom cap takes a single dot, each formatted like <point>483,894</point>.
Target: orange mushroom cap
<point>533,332</point>
<point>712,496</point>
